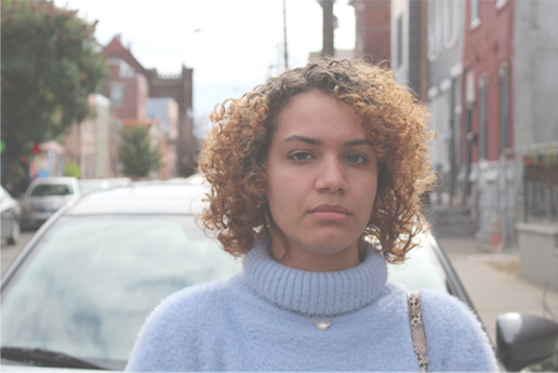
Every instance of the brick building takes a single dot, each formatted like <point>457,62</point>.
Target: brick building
<point>487,100</point>
<point>408,44</point>
<point>491,83</point>
<point>373,30</point>
<point>92,143</point>
<point>487,61</point>
<point>150,84</point>
<point>128,91</point>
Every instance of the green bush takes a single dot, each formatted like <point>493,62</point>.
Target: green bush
<point>72,169</point>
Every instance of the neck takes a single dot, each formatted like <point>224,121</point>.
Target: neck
<point>314,293</point>
<point>297,257</point>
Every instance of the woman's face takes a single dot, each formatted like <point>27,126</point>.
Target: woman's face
<point>322,180</point>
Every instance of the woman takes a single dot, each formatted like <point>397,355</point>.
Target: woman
<point>315,179</point>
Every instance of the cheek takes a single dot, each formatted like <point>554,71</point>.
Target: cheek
<point>282,188</point>
<point>284,180</point>
<point>368,193</point>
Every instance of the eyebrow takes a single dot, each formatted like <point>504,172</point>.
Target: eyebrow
<point>313,141</point>
<point>307,140</point>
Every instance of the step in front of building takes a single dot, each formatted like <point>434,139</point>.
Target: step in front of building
<point>449,221</point>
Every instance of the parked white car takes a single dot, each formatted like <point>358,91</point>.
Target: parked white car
<point>45,196</point>
<point>77,295</point>
<point>11,215</point>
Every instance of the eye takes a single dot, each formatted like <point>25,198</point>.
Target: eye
<point>301,156</point>
<point>355,158</point>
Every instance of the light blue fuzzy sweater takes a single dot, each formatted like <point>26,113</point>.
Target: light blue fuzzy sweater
<point>255,321</point>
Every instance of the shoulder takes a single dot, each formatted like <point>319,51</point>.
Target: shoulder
<point>173,327</point>
<point>442,304</point>
<point>448,312</point>
<point>192,299</point>
<point>455,337</point>
<point>186,305</point>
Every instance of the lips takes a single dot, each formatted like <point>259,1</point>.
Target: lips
<point>330,212</point>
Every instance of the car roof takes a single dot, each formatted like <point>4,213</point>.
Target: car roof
<point>144,199</point>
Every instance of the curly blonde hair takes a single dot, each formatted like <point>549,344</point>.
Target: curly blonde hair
<point>233,159</point>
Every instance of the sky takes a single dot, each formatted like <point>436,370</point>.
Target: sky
<point>231,45</point>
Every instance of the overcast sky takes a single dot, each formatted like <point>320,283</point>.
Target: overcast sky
<point>232,45</point>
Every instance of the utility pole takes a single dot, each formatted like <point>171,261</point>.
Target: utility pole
<point>285,49</point>
<point>328,47</point>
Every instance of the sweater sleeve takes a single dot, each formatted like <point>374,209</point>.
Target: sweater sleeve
<point>166,340</point>
<point>455,338</point>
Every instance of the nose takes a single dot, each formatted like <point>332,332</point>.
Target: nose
<point>331,176</point>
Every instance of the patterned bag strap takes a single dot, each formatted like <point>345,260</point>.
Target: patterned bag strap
<point>417,329</point>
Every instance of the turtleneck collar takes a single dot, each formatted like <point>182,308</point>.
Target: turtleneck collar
<point>314,293</point>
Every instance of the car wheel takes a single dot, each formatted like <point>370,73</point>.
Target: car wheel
<point>14,236</point>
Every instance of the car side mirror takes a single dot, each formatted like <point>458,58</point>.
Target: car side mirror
<point>523,340</point>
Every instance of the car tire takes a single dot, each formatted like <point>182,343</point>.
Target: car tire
<point>14,236</point>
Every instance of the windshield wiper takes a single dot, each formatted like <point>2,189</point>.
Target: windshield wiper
<point>46,358</point>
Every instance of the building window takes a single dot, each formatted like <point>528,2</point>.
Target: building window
<point>399,52</point>
<point>456,121</point>
<point>475,13</point>
<point>116,94</point>
<point>470,87</point>
<point>435,28</point>
<point>431,30</point>
<point>439,9</point>
<point>505,135</point>
<point>483,118</point>
<point>500,3</point>
<point>450,22</point>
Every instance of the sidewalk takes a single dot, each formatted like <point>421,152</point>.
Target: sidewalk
<point>494,284</point>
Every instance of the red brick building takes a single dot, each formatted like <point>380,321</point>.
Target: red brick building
<point>373,25</point>
<point>487,92</point>
<point>128,91</point>
<point>151,84</point>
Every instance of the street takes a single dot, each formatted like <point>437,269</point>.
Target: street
<point>494,284</point>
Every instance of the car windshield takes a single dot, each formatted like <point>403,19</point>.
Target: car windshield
<point>90,283</point>
<point>45,190</point>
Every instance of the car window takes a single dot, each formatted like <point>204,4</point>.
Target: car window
<point>45,190</point>
<point>92,281</point>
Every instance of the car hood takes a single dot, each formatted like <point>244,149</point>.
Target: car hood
<point>31,368</point>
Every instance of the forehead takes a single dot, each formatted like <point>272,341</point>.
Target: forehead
<point>319,114</point>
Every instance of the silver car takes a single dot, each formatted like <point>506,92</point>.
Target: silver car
<point>11,215</point>
<point>45,196</point>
